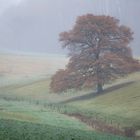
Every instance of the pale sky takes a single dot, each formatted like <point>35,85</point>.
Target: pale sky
<point>5,4</point>
<point>34,25</point>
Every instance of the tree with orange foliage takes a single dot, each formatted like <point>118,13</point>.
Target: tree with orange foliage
<point>63,80</point>
<point>99,52</point>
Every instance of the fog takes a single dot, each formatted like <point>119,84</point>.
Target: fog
<point>34,25</point>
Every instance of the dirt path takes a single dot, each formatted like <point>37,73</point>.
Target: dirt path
<point>104,127</point>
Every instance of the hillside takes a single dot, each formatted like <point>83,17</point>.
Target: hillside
<point>119,105</point>
<point>25,68</point>
<point>31,64</point>
<point>26,101</point>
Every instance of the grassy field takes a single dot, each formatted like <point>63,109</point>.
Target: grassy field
<point>23,120</point>
<point>24,111</point>
<point>29,108</point>
<point>15,130</point>
<point>121,106</point>
<point>29,65</point>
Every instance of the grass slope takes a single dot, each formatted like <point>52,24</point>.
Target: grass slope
<point>25,121</point>
<point>28,65</point>
<point>121,105</point>
<point>15,130</point>
<point>28,108</point>
<point>24,111</point>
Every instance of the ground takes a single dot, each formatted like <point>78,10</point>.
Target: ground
<point>26,102</point>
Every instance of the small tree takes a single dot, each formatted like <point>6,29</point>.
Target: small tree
<point>98,50</point>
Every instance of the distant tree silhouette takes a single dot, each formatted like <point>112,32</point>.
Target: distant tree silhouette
<point>99,53</point>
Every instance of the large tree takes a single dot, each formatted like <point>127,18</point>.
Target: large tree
<point>99,51</point>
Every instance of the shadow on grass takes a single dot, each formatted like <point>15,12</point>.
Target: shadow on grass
<point>95,94</point>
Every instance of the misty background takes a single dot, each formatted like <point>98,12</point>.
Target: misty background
<point>33,26</point>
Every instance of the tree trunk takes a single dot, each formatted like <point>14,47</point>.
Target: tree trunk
<point>99,88</point>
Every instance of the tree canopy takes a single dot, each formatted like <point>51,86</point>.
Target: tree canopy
<point>99,53</point>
